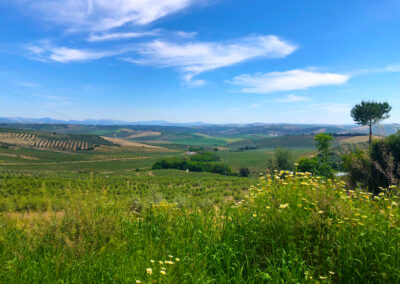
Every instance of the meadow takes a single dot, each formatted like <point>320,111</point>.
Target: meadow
<point>287,228</point>
<point>105,216</point>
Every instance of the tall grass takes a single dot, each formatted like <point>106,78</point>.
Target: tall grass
<point>290,228</point>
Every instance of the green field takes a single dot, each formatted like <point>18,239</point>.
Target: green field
<point>174,227</point>
<point>105,216</point>
<point>256,160</point>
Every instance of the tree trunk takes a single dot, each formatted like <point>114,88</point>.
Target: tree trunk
<point>370,134</point>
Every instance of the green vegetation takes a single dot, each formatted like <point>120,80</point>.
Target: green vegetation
<point>281,160</point>
<point>290,228</point>
<point>27,138</point>
<point>129,213</point>
<point>201,162</point>
<point>370,113</point>
<point>326,162</point>
<point>375,167</point>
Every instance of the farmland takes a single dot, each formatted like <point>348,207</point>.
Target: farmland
<point>105,215</point>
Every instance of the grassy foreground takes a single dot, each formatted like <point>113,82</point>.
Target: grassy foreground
<point>289,228</point>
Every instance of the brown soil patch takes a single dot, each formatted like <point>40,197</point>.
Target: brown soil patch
<point>139,134</point>
<point>123,142</point>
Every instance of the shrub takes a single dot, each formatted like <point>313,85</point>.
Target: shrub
<point>193,166</point>
<point>281,160</point>
<point>316,166</point>
<point>244,172</point>
<point>376,168</point>
<point>357,164</point>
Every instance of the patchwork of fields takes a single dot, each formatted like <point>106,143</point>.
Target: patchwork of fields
<point>98,212</point>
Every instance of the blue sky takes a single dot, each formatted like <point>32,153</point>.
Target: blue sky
<point>222,61</point>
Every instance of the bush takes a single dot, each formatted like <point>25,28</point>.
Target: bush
<point>244,172</point>
<point>205,157</point>
<point>357,165</point>
<point>316,166</point>
<point>193,166</point>
<point>281,160</point>
<point>376,168</point>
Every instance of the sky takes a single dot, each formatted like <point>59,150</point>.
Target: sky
<point>214,61</point>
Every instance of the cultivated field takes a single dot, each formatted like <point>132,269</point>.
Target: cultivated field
<point>105,215</point>
<point>195,228</point>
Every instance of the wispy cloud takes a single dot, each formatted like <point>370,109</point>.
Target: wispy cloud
<point>43,51</point>
<point>29,84</point>
<point>184,34</point>
<point>388,69</point>
<point>197,57</point>
<point>120,36</point>
<point>298,79</point>
<point>292,99</point>
<point>103,15</point>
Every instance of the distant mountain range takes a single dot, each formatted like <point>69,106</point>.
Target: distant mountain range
<point>47,120</point>
<point>271,129</point>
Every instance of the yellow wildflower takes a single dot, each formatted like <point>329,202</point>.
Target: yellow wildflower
<point>283,206</point>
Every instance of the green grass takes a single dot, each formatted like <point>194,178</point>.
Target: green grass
<point>91,217</point>
<point>293,229</point>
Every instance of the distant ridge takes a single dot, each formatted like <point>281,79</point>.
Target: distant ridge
<point>47,120</point>
<point>208,128</point>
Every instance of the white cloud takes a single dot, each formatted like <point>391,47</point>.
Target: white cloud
<point>293,99</point>
<point>197,83</point>
<point>119,36</point>
<point>197,57</point>
<point>287,81</point>
<point>388,69</point>
<point>183,34</point>
<point>46,52</point>
<point>102,15</point>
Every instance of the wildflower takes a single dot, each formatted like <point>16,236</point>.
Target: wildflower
<point>160,262</point>
<point>331,273</point>
<point>361,224</point>
<point>138,281</point>
<point>170,256</point>
<point>268,207</point>
<point>162,272</point>
<point>149,271</point>
<point>152,261</point>
<point>177,259</point>
<point>323,277</point>
<point>254,215</point>
<point>283,206</point>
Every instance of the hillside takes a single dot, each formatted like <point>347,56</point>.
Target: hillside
<point>36,139</point>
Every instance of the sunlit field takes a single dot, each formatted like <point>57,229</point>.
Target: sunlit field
<point>287,228</point>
